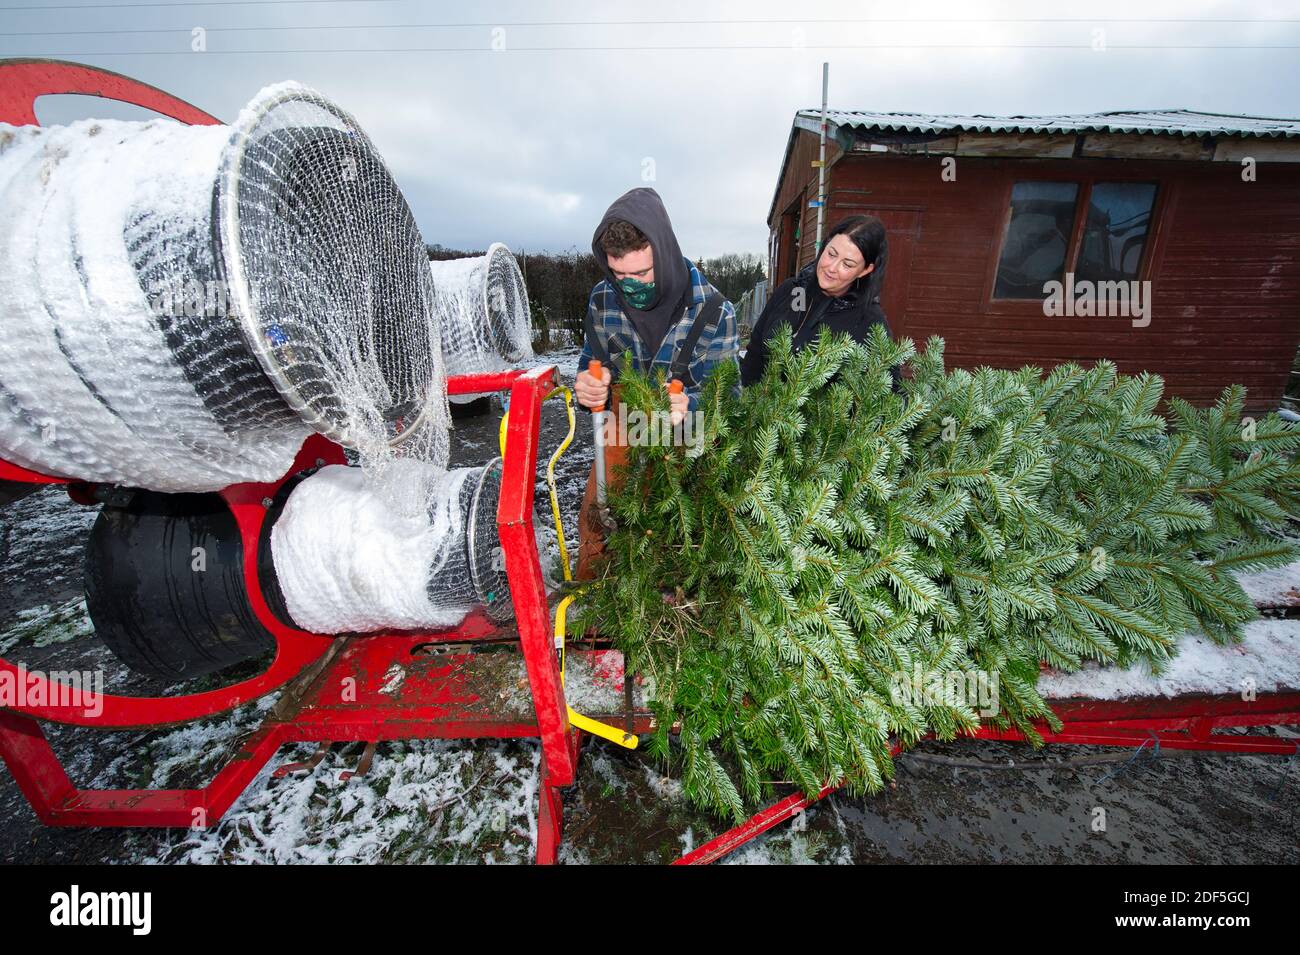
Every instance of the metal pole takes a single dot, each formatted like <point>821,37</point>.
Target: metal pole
<point>598,436</point>
<point>821,161</point>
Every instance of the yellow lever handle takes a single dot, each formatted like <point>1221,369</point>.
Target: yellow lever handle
<point>586,723</point>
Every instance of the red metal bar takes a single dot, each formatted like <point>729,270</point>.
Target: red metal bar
<point>130,712</point>
<point>755,826</point>
<point>1114,735</point>
<point>1229,705</point>
<point>523,568</point>
<point>492,381</point>
<point>172,808</point>
<point>550,819</point>
<point>12,472</point>
<point>759,823</point>
<point>57,802</point>
<point>23,81</point>
<point>1184,723</point>
<point>37,771</point>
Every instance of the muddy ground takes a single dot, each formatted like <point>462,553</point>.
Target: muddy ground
<point>474,802</point>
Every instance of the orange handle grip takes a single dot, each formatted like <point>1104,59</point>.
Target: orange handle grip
<point>675,387</point>
<point>593,369</point>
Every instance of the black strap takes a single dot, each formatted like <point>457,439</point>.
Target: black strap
<point>710,315</point>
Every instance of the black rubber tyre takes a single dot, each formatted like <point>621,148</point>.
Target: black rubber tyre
<point>151,604</point>
<point>11,491</point>
<point>471,409</point>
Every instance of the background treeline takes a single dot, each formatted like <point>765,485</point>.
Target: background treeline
<point>559,285</point>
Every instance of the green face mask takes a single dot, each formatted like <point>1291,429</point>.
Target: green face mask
<point>638,294</point>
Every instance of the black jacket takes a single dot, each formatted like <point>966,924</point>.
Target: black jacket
<point>851,313</point>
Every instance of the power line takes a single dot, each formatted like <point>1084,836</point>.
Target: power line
<point>615,23</point>
<point>172,3</point>
<point>675,49</point>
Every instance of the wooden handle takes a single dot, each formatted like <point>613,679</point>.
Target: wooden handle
<point>593,369</point>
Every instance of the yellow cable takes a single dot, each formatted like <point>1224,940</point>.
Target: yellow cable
<point>550,470</point>
<point>584,723</point>
<point>550,478</point>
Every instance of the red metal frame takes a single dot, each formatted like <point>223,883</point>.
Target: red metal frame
<point>343,687</point>
<point>295,649</point>
<point>23,81</point>
<point>1185,722</point>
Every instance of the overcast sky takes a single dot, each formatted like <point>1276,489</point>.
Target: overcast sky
<point>530,143</point>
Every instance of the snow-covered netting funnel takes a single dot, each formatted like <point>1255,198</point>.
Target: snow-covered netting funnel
<point>186,304</point>
<point>346,560</point>
<point>327,276</point>
<point>482,313</point>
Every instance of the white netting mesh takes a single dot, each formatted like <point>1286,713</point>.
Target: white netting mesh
<point>348,562</point>
<point>97,378</point>
<point>185,304</point>
<point>329,278</point>
<point>481,309</point>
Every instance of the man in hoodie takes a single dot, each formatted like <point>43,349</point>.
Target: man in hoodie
<point>654,303</point>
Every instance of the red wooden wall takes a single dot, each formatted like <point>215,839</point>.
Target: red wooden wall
<point>1223,258</point>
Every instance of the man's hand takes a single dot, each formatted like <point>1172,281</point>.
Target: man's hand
<point>678,405</point>
<point>592,392</point>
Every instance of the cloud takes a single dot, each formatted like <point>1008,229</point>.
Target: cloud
<point>530,148</point>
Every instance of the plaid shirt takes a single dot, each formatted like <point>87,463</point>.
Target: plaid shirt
<point>607,317</point>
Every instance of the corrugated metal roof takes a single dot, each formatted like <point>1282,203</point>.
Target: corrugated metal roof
<point>1178,122</point>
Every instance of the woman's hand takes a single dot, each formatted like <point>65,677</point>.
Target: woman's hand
<point>592,392</point>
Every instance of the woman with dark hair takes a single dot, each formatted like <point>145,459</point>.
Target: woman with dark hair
<point>841,291</point>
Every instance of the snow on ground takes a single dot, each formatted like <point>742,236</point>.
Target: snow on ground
<point>794,843</point>
<point>422,801</point>
<point>42,540</point>
<point>48,624</point>
<point>1279,587</point>
<point>1267,660</point>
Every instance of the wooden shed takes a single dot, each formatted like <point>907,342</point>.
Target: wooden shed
<point>1201,212</point>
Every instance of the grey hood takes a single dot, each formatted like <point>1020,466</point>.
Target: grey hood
<point>644,209</point>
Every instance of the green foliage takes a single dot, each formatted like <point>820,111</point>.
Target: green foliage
<point>831,539</point>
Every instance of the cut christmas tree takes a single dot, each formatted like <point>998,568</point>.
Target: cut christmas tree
<point>836,565</point>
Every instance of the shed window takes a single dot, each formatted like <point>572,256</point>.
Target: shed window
<point>1040,244</point>
<point>1038,238</point>
<point>1115,235</point>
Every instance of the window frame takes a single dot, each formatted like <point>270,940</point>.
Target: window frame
<point>1085,183</point>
